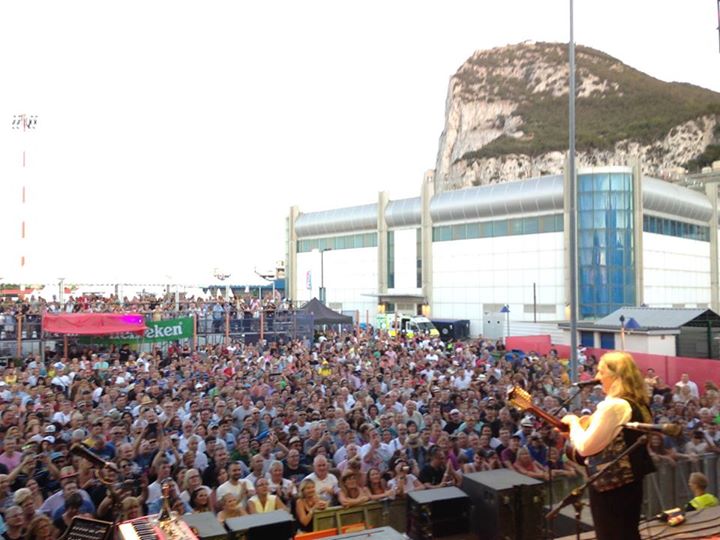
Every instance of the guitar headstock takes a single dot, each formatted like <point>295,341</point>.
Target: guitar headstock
<point>520,398</point>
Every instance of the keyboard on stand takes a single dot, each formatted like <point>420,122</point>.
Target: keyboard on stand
<point>148,528</point>
<point>82,528</point>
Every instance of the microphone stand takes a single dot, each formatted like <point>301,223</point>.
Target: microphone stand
<point>549,533</point>
<point>574,497</point>
<point>560,407</point>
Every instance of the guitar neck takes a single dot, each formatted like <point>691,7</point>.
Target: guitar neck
<point>555,422</point>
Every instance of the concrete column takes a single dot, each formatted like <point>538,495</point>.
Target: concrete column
<point>426,195</point>
<point>291,262</point>
<point>382,230</point>
<point>638,230</point>
<point>711,190</point>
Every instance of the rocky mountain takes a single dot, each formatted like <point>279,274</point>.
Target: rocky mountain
<point>507,117</point>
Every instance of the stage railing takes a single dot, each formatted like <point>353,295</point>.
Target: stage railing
<point>22,335</point>
<point>390,513</point>
<point>668,487</point>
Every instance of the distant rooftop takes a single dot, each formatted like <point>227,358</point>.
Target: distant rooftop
<point>660,318</point>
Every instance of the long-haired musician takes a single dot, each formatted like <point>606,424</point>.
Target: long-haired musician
<point>616,498</point>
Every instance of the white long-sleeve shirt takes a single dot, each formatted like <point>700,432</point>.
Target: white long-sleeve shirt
<point>605,424</point>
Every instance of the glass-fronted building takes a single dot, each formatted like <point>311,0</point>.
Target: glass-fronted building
<point>478,252</point>
<point>606,248</point>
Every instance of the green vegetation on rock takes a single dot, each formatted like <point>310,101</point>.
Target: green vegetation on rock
<point>630,106</point>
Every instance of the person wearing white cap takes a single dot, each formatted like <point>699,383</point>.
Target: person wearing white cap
<point>526,429</point>
<point>64,415</point>
<point>455,420</point>
<point>412,413</point>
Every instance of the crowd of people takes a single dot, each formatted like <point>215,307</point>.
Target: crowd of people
<point>342,420</point>
<point>23,318</point>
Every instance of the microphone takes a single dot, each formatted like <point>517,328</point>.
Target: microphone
<point>591,382</point>
<point>673,430</point>
<point>84,452</point>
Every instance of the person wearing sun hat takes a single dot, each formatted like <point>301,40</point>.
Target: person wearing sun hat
<point>70,488</point>
<point>68,479</point>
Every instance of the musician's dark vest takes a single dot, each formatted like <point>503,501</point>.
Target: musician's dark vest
<point>629,469</point>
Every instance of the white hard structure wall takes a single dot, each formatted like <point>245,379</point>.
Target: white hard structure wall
<point>477,275</point>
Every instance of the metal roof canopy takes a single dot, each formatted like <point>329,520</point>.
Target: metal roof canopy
<point>661,318</point>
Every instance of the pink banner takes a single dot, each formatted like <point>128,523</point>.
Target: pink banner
<point>93,324</point>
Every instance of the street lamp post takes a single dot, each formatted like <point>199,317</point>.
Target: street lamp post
<point>573,200</point>
<point>629,324</point>
<point>322,291</point>
<point>61,289</point>
<point>506,310</point>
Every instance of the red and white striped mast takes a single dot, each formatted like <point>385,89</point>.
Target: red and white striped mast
<point>23,123</point>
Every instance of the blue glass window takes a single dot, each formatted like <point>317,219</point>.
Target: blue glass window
<point>338,242</point>
<point>669,227</point>
<point>531,225</point>
<point>605,243</point>
<point>501,227</point>
<point>472,230</point>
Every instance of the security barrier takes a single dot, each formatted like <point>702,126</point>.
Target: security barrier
<point>666,488</point>
<point>22,335</point>
<point>390,513</point>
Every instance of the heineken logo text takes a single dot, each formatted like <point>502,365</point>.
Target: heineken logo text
<point>156,331</point>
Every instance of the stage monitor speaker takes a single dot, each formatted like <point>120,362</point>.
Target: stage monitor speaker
<point>206,526</point>
<point>434,513</point>
<point>381,533</point>
<point>278,525</point>
<point>564,524</point>
<point>508,505</point>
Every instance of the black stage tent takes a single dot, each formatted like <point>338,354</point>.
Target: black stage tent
<point>323,314</point>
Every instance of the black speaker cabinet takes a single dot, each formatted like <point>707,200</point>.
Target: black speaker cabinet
<point>434,513</point>
<point>565,525</point>
<point>508,505</point>
<point>381,533</point>
<point>206,526</point>
<point>277,525</point>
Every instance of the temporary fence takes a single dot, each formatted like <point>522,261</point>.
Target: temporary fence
<point>21,335</point>
<point>668,487</point>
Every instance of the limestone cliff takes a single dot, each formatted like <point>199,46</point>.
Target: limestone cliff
<point>507,119</point>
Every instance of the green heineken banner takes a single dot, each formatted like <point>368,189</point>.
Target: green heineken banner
<point>167,330</point>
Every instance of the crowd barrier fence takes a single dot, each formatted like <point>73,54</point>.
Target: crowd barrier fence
<point>666,488</point>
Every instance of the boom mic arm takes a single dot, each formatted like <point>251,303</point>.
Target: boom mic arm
<point>672,430</point>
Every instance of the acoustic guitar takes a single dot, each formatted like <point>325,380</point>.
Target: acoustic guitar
<point>521,399</point>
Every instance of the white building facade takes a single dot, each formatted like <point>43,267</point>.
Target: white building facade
<point>498,255</point>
